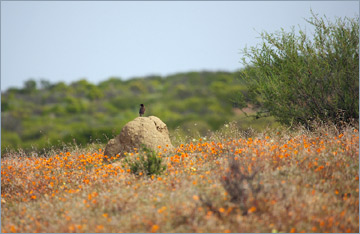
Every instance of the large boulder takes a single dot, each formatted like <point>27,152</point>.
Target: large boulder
<point>150,132</point>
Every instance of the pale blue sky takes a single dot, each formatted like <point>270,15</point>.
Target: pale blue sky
<point>67,41</point>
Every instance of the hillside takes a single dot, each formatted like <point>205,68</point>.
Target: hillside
<point>43,115</point>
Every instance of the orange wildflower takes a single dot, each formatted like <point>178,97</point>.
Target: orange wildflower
<point>154,228</point>
<point>252,209</point>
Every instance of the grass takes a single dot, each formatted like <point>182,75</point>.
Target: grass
<point>231,181</point>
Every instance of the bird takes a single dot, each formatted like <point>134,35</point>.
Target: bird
<point>142,110</point>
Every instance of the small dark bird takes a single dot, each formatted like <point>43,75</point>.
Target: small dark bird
<point>142,110</point>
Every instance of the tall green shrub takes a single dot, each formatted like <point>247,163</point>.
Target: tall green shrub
<point>298,78</point>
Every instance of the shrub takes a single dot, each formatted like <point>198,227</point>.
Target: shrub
<point>240,185</point>
<point>145,162</point>
<point>299,79</point>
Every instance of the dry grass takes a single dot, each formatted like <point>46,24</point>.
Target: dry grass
<point>288,181</point>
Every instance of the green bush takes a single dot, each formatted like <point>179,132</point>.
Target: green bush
<point>298,79</point>
<point>146,162</point>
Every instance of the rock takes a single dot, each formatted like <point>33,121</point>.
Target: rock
<point>150,132</point>
<point>113,147</point>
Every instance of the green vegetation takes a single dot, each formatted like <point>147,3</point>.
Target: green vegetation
<point>39,117</point>
<point>298,79</point>
<point>147,163</point>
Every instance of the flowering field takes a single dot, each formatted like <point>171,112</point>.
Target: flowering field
<point>288,181</point>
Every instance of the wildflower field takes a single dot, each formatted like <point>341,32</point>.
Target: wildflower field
<point>231,181</point>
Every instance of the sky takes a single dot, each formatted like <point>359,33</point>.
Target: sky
<point>95,40</point>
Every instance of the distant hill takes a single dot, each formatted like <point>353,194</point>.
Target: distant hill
<point>43,115</point>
